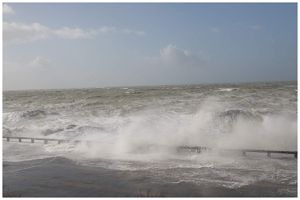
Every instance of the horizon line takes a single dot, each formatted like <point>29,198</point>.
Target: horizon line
<point>155,85</point>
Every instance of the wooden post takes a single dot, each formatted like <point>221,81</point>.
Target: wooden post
<point>269,154</point>
<point>32,140</point>
<point>20,139</point>
<point>295,155</point>
<point>7,139</point>
<point>244,153</point>
<point>58,141</point>
<point>45,141</point>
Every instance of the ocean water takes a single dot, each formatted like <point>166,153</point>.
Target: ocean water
<point>137,129</point>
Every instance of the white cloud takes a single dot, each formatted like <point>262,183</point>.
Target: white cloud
<point>39,63</point>
<point>7,9</point>
<point>107,29</point>
<point>172,55</point>
<point>16,32</point>
<point>113,29</point>
<point>20,33</point>
<point>73,33</point>
<point>133,32</point>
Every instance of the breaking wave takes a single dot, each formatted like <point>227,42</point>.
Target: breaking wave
<point>140,128</point>
<point>125,126</point>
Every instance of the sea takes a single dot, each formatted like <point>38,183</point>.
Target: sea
<point>123,141</point>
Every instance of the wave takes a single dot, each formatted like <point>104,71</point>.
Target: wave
<point>141,132</point>
<point>37,114</point>
<point>187,116</point>
<point>227,89</point>
<point>90,129</point>
<point>71,126</point>
<point>234,115</point>
<point>6,131</point>
<point>51,131</point>
<point>34,113</point>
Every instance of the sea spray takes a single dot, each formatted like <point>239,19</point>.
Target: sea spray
<point>154,121</point>
<point>139,130</point>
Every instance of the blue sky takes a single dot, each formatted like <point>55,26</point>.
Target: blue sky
<point>83,45</point>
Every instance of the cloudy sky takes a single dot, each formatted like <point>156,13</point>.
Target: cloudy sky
<point>101,45</point>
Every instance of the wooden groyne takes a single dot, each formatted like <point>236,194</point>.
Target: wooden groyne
<point>269,152</point>
<point>33,139</point>
<point>196,149</point>
<point>199,149</point>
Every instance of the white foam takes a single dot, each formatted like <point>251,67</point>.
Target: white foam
<point>227,89</point>
<point>145,138</point>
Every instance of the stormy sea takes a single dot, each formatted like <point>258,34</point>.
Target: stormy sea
<point>123,141</point>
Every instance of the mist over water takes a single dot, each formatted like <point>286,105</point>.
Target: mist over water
<point>139,128</point>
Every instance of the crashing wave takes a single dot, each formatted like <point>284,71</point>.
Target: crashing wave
<point>6,131</point>
<point>227,89</point>
<point>234,115</point>
<point>52,131</point>
<point>228,119</point>
<point>36,114</point>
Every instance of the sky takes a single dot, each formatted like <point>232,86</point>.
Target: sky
<point>82,45</point>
